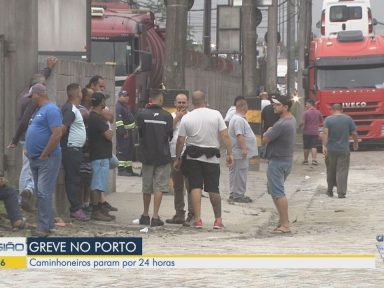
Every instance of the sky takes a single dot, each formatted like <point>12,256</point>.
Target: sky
<point>195,18</point>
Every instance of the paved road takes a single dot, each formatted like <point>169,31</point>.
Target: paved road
<point>320,225</point>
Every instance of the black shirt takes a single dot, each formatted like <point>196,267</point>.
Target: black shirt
<point>155,126</point>
<point>268,117</point>
<point>99,146</point>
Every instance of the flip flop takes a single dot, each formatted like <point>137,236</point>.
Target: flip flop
<point>278,230</point>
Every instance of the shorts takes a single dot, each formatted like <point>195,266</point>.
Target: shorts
<point>277,173</point>
<point>155,178</point>
<point>100,174</point>
<point>310,141</point>
<point>203,175</point>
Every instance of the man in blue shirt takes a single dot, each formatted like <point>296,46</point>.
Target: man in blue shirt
<point>44,153</point>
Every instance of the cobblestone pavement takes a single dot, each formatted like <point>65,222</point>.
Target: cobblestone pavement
<point>320,225</point>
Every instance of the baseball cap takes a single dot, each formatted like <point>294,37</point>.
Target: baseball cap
<point>282,99</point>
<point>123,93</point>
<point>37,88</point>
<point>97,98</point>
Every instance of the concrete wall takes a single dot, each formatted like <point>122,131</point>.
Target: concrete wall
<point>220,88</point>
<point>64,73</point>
<point>18,25</point>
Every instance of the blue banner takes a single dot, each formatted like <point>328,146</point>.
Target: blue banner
<point>85,246</point>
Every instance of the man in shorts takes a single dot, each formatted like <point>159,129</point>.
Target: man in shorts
<point>100,148</point>
<point>155,127</point>
<point>279,152</point>
<point>202,129</point>
<point>310,123</point>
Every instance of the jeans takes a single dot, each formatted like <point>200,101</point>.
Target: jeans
<point>9,196</point>
<point>45,174</point>
<point>26,178</point>
<point>72,158</point>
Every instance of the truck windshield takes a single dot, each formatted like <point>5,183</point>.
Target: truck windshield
<point>119,53</point>
<point>342,13</point>
<point>348,78</point>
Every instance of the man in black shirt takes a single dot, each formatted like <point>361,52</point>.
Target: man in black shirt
<point>155,126</point>
<point>100,147</point>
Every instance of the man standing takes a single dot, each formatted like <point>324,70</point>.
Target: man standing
<point>100,150</point>
<point>179,183</point>
<point>44,153</point>
<point>72,142</point>
<point>244,147</point>
<point>310,123</point>
<point>125,123</point>
<point>264,100</point>
<point>26,108</point>
<point>337,129</point>
<point>155,126</point>
<point>203,128</point>
<point>281,140</point>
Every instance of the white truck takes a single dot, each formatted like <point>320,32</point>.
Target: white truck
<point>346,15</point>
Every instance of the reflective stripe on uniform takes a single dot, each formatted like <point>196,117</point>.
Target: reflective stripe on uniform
<point>119,123</point>
<point>130,126</point>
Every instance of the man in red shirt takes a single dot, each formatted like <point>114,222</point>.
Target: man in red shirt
<point>310,123</point>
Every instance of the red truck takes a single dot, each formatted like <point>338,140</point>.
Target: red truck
<point>128,38</point>
<point>348,69</point>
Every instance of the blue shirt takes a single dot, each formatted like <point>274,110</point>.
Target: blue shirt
<point>39,131</point>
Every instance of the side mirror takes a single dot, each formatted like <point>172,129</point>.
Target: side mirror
<point>146,62</point>
<point>318,24</point>
<point>374,21</point>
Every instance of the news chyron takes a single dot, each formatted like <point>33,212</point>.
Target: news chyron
<point>69,252</point>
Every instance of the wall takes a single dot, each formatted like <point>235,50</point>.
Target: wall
<point>64,73</point>
<point>220,88</point>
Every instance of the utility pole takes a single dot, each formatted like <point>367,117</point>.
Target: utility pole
<point>291,37</point>
<point>207,27</point>
<point>248,27</point>
<point>303,27</point>
<point>271,79</point>
<point>176,36</point>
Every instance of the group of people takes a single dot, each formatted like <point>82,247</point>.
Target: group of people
<point>184,145</point>
<point>77,136</point>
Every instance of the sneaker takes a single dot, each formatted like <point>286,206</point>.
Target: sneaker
<point>26,200</point>
<point>305,162</point>
<point>315,163</point>
<point>87,209</point>
<point>177,219</point>
<point>198,224</point>
<point>80,215</point>
<point>218,224</point>
<point>341,196</point>
<point>329,193</point>
<point>156,222</point>
<point>189,221</point>
<point>144,220</point>
<point>98,215</point>
<point>108,206</point>
<point>244,199</point>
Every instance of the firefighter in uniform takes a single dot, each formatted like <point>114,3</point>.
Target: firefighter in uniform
<point>125,125</point>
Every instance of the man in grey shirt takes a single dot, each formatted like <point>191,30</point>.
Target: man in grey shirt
<point>244,147</point>
<point>337,129</point>
<point>280,140</point>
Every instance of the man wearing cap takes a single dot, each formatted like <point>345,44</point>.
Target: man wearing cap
<point>72,142</point>
<point>125,123</point>
<point>44,153</point>
<point>26,108</point>
<point>100,148</point>
<point>280,140</point>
